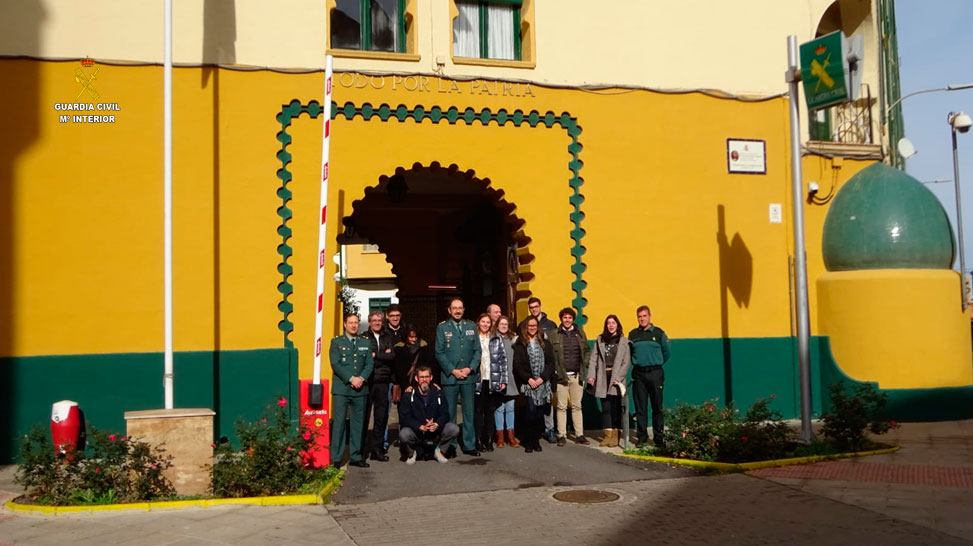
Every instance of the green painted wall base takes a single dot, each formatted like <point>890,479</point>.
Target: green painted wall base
<point>745,369</point>
<point>232,383</point>
<point>239,384</point>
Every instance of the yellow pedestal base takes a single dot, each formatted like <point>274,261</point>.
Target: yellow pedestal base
<point>902,328</point>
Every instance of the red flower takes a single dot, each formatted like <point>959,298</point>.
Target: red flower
<point>97,469</point>
<point>772,396</point>
<point>124,438</point>
<point>212,445</point>
<point>744,438</point>
<point>289,448</point>
<point>306,435</point>
<point>264,420</point>
<point>282,402</point>
<point>111,438</point>
<point>892,422</point>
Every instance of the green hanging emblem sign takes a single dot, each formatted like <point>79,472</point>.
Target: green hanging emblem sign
<point>825,71</point>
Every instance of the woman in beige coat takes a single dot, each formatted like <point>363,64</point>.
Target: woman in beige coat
<point>607,370</point>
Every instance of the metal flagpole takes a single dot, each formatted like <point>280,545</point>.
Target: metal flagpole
<point>793,76</point>
<point>322,236</point>
<point>167,378</point>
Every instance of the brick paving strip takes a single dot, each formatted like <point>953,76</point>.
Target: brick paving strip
<point>912,474</point>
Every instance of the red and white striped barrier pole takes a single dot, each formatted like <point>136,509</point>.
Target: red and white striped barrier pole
<point>313,399</point>
<point>322,228</point>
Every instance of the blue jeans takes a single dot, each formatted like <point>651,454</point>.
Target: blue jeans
<point>507,408</point>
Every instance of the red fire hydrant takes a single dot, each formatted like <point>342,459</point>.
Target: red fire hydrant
<point>65,427</point>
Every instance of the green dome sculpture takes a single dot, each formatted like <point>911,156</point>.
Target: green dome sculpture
<point>885,219</point>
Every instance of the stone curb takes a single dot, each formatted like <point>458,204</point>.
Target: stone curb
<point>743,467</point>
<point>321,497</point>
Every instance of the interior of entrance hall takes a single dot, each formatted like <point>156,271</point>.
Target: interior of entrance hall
<point>446,233</point>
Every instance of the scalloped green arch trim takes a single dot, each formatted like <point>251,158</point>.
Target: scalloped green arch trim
<point>452,115</point>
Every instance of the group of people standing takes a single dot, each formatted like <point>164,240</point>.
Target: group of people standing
<point>484,367</point>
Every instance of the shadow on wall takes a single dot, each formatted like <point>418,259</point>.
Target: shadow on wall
<point>736,279</point>
<point>219,47</point>
<point>21,112</point>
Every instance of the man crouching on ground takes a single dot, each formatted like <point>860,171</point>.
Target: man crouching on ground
<point>424,419</point>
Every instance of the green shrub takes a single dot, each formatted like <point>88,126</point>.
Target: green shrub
<point>695,432</point>
<point>707,433</point>
<point>269,461</point>
<point>762,435</point>
<point>854,413</point>
<point>113,469</point>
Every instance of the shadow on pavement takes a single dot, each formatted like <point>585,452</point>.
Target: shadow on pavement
<point>504,468</point>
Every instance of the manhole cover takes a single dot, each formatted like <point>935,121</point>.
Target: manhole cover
<point>586,496</point>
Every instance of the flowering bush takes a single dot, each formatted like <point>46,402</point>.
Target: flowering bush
<point>112,469</point>
<point>708,433</point>
<point>269,461</point>
<point>851,415</point>
<point>695,432</point>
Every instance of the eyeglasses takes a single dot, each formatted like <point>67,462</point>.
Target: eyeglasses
<point>535,306</point>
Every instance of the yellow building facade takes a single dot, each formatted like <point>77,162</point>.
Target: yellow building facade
<point>593,169</point>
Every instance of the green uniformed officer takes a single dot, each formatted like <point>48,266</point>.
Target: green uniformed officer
<point>458,353</point>
<point>351,363</point>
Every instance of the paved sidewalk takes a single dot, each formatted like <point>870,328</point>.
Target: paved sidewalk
<point>928,482</point>
<point>916,496</point>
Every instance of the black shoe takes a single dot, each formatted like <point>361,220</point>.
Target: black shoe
<point>361,464</point>
<point>561,441</point>
<point>537,446</point>
<point>581,440</point>
<point>471,452</point>
<point>379,456</point>
<point>451,452</point>
<point>480,446</point>
<point>528,449</point>
<point>488,447</point>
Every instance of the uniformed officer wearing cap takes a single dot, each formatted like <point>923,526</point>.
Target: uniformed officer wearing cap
<point>458,353</point>
<point>351,363</point>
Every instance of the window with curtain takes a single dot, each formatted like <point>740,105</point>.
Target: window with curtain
<point>368,25</point>
<point>487,30</point>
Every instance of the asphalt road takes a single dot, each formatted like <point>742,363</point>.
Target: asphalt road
<point>504,468</point>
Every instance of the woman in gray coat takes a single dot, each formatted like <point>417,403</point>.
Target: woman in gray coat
<point>607,369</point>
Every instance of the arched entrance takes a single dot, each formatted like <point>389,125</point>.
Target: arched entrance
<point>447,233</point>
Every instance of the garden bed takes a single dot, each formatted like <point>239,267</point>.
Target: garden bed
<point>722,439</point>
<point>322,496</point>
<point>115,472</point>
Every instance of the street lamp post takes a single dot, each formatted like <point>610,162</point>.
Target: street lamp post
<point>890,112</point>
<point>958,121</point>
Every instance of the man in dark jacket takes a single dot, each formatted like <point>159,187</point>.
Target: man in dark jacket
<point>534,307</point>
<point>424,418</point>
<point>379,390</point>
<point>393,322</point>
<point>571,354</point>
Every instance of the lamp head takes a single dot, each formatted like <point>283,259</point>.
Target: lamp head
<point>960,121</point>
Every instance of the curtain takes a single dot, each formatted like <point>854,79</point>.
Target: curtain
<point>466,30</point>
<point>500,30</point>
<point>385,30</point>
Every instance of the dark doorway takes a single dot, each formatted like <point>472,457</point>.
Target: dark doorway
<point>446,233</point>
